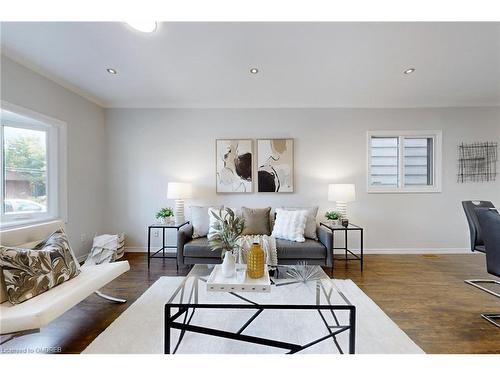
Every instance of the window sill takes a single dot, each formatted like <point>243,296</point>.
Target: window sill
<point>404,191</point>
<point>14,224</point>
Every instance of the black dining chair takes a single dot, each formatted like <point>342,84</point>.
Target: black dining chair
<point>476,238</point>
<point>489,222</point>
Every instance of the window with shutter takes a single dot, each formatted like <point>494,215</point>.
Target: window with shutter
<point>404,161</point>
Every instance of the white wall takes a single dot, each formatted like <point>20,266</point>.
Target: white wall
<point>147,148</point>
<point>85,143</point>
<point>141,150</point>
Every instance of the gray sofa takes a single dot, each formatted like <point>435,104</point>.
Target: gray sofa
<point>197,250</point>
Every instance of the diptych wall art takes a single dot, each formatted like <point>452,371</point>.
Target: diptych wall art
<point>234,158</point>
<point>275,165</point>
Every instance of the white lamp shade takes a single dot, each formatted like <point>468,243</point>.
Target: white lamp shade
<point>341,192</point>
<point>179,190</point>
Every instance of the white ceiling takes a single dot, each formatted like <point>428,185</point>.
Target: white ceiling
<point>300,64</point>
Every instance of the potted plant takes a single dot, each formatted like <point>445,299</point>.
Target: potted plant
<point>224,235</point>
<point>333,217</point>
<point>165,215</point>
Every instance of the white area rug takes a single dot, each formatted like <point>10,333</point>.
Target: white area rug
<point>140,328</point>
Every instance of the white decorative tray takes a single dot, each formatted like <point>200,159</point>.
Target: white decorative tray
<point>240,282</point>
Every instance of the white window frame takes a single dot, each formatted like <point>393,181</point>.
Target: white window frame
<point>56,131</point>
<point>436,135</point>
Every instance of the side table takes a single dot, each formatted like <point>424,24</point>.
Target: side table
<point>350,227</point>
<point>163,247</point>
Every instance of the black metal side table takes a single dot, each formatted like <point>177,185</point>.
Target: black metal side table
<point>163,247</point>
<point>350,227</point>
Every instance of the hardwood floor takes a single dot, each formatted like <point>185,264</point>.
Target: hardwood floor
<point>424,294</point>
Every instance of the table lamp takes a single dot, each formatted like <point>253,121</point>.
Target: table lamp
<point>341,194</point>
<point>179,191</point>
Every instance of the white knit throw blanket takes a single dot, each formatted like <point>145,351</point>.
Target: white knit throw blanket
<point>267,243</point>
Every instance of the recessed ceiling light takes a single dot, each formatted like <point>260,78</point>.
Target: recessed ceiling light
<point>409,71</point>
<point>111,71</point>
<point>143,26</point>
<point>254,70</point>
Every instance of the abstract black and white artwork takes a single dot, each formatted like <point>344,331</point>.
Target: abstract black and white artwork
<point>234,159</point>
<point>275,165</point>
<point>477,162</point>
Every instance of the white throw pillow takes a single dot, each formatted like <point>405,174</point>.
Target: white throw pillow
<point>290,225</point>
<point>312,212</point>
<point>200,219</point>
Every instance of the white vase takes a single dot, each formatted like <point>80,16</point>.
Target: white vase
<point>335,222</point>
<point>228,265</point>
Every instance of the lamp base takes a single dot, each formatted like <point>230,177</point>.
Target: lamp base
<point>179,212</point>
<point>342,209</point>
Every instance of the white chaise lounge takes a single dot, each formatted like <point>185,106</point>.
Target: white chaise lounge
<point>31,315</point>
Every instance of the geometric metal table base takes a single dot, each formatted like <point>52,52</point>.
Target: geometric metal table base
<point>490,317</point>
<point>170,322</point>
<point>186,311</point>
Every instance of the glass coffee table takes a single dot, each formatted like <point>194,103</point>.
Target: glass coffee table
<point>303,298</point>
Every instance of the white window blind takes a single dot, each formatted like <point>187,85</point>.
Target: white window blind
<point>384,161</point>
<point>404,162</point>
<point>418,161</point>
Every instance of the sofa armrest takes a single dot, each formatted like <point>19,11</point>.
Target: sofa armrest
<point>184,235</point>
<point>325,236</point>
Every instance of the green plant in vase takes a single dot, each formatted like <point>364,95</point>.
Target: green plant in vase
<point>165,215</point>
<point>224,235</point>
<point>333,216</point>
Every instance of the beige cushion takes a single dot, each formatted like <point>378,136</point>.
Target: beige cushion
<point>27,236</point>
<point>256,220</point>
<point>37,312</point>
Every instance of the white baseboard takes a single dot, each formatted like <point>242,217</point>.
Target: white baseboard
<point>418,251</point>
<point>135,249</point>
<point>366,251</point>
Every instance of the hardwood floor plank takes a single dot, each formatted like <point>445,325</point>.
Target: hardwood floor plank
<point>425,295</point>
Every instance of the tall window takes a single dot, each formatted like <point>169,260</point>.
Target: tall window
<point>404,161</point>
<point>29,169</point>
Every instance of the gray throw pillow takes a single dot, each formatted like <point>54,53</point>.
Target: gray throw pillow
<point>256,220</point>
<point>30,272</point>
<point>312,212</point>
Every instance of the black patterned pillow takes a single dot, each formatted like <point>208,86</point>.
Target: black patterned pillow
<point>30,272</point>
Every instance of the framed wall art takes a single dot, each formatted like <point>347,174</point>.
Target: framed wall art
<point>275,165</point>
<point>477,162</point>
<point>234,161</point>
